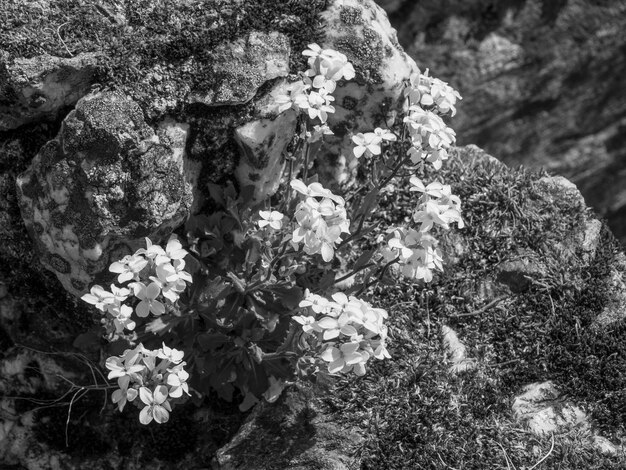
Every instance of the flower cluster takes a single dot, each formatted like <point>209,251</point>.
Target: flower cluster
<point>430,92</point>
<point>348,331</point>
<point>321,219</point>
<point>416,253</point>
<point>414,248</point>
<point>430,137</point>
<point>139,374</point>
<point>313,95</point>
<point>428,99</point>
<point>436,206</point>
<point>158,278</point>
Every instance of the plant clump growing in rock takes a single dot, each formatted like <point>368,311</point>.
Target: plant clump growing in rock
<point>259,294</point>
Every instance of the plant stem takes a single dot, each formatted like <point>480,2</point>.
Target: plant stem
<point>348,276</point>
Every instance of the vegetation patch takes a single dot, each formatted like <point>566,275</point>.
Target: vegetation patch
<point>416,414</point>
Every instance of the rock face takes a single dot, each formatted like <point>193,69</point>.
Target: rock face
<point>103,184</point>
<point>542,84</point>
<point>34,89</point>
<point>295,433</point>
<point>215,102</point>
<point>242,66</point>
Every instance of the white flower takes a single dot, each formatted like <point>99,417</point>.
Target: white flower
<point>151,251</point>
<point>124,366</point>
<point>315,190</point>
<point>99,297</point>
<point>321,81</point>
<point>434,189</point>
<point>148,296</point>
<point>128,267</point>
<point>170,354</point>
<point>272,218</point>
<point>122,318</point>
<point>317,303</point>
<point>173,251</point>
<point>319,131</point>
<point>157,407</point>
<point>308,323</point>
<point>122,395</point>
<point>346,358</point>
<point>177,381</point>
<point>316,104</point>
<point>385,134</point>
<point>444,96</point>
<point>429,215</point>
<point>172,273</point>
<point>368,144</point>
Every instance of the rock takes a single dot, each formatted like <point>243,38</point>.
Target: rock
<point>262,142</point>
<point>103,184</point>
<point>361,30</point>
<point>241,67</point>
<point>545,411</point>
<point>542,409</point>
<point>456,351</point>
<point>294,433</point>
<point>559,187</point>
<point>37,88</point>
<point>615,311</point>
<point>497,54</point>
<point>519,271</point>
<point>542,84</point>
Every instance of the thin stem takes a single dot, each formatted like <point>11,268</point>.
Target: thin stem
<point>349,275</point>
<point>380,275</point>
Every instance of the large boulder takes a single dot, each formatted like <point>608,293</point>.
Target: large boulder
<point>103,184</point>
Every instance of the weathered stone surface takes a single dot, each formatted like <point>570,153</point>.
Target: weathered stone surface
<point>519,271</point>
<point>38,88</point>
<point>241,67</point>
<point>543,410</point>
<point>541,80</point>
<point>456,351</point>
<point>546,411</point>
<point>292,434</point>
<point>262,142</point>
<point>361,30</point>
<point>107,181</point>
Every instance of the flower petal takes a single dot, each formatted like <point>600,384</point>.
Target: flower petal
<point>145,416</point>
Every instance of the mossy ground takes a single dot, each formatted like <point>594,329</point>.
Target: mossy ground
<point>416,415</point>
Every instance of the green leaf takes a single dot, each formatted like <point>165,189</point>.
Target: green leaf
<point>370,201</point>
<point>217,193</point>
<point>89,342</point>
<point>363,259</point>
<point>212,341</point>
<point>289,297</point>
<point>327,280</point>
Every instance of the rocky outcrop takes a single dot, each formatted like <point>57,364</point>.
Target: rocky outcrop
<point>541,80</point>
<point>103,184</point>
<point>532,292</point>
<point>215,102</point>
